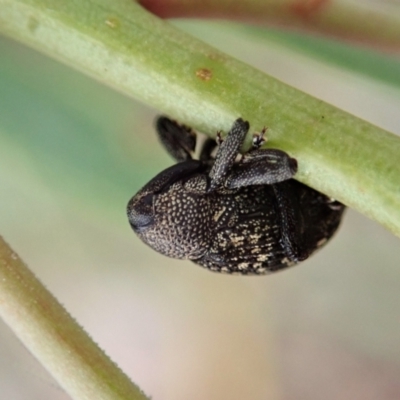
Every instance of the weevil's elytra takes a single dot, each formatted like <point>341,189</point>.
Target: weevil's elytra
<point>244,216</point>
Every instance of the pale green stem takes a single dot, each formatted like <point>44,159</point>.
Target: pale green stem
<point>54,337</point>
<point>124,46</point>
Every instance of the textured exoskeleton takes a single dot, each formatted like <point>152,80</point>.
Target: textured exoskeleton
<point>243,216</point>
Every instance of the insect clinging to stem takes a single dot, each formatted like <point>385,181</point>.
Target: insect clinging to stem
<point>229,214</point>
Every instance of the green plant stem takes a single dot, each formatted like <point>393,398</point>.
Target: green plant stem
<point>362,22</point>
<point>53,336</point>
<point>122,45</point>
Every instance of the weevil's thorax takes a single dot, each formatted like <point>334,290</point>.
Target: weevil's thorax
<point>183,224</point>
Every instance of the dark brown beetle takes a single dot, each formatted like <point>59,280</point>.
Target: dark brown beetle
<point>242,216</point>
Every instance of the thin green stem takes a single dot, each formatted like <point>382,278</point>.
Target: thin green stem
<point>54,337</point>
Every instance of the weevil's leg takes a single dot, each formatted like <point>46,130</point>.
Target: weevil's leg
<point>219,138</point>
<point>227,153</point>
<point>208,146</point>
<point>262,167</point>
<point>258,139</point>
<point>178,140</point>
<point>291,223</point>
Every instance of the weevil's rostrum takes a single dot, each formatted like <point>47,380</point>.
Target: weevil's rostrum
<point>243,215</point>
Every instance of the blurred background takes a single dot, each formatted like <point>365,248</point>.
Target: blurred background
<point>73,152</point>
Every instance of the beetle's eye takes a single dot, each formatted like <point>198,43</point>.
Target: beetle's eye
<point>140,221</point>
<point>140,212</point>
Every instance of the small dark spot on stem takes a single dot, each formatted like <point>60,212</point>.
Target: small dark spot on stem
<point>204,73</point>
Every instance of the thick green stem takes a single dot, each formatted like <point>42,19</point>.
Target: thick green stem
<point>124,46</point>
<point>53,336</point>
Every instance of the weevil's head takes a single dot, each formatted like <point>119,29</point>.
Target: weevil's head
<point>167,216</point>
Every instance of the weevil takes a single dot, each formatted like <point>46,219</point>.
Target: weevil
<point>232,213</point>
